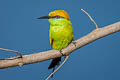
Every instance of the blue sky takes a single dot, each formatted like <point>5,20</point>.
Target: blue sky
<point>20,30</point>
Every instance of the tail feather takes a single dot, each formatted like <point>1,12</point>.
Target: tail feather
<point>54,63</point>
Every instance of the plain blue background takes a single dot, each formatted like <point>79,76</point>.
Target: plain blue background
<point>20,30</point>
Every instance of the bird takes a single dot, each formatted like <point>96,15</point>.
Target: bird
<point>60,32</point>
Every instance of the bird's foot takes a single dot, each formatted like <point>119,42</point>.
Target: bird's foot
<point>74,43</point>
<point>61,52</point>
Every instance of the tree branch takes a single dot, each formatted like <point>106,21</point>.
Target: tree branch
<point>46,55</point>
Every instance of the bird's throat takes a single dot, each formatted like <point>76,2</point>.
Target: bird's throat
<point>57,24</point>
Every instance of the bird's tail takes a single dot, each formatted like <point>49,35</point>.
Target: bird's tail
<point>54,63</point>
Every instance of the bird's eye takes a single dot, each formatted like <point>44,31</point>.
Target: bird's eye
<point>57,17</point>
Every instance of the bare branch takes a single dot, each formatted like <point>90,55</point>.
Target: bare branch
<point>46,55</point>
<point>90,18</point>
<point>10,50</point>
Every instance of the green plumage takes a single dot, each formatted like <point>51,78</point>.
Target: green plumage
<point>60,35</point>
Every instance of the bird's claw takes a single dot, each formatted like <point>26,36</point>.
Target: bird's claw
<point>62,53</point>
<point>74,43</point>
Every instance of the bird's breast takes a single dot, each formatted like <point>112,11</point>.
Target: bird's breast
<point>57,28</point>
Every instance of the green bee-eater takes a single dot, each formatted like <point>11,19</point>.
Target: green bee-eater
<point>60,33</point>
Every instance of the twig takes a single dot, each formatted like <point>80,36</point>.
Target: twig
<point>10,50</point>
<point>66,58</point>
<point>90,18</point>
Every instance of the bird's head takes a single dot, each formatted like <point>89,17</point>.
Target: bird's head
<point>57,14</point>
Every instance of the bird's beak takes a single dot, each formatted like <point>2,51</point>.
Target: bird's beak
<point>44,17</point>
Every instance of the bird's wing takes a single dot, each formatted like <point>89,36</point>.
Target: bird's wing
<point>51,39</point>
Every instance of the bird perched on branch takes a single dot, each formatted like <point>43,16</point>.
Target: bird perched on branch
<point>60,33</point>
